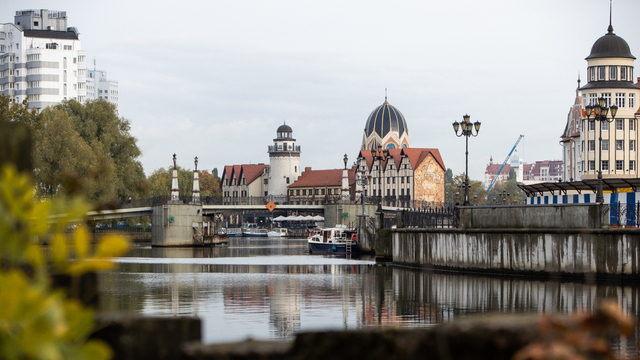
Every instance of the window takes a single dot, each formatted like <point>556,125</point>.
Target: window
<point>601,72</point>
<point>619,124</point>
<point>619,165</point>
<point>388,180</point>
<point>304,191</point>
<point>393,180</point>
<point>316,192</point>
<point>632,145</point>
<point>402,180</point>
<point>605,145</point>
<point>408,181</point>
<point>287,180</point>
<point>605,165</point>
<point>607,99</point>
<point>619,145</point>
<point>632,124</point>
<point>632,100</point>
<point>592,125</point>
<point>592,73</point>
<point>582,145</point>
<point>592,145</point>
<point>623,73</point>
<point>297,192</point>
<point>336,191</point>
<point>374,181</point>
<point>291,192</point>
<point>620,97</point>
<point>593,99</point>
<point>295,169</point>
<point>322,191</point>
<point>632,165</point>
<point>604,126</point>
<point>266,181</point>
<point>613,72</point>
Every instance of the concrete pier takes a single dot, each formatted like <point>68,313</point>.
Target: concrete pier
<point>175,224</point>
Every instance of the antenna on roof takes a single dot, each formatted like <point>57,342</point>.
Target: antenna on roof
<point>610,29</point>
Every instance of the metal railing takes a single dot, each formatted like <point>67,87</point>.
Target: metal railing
<point>444,217</point>
<point>621,215</point>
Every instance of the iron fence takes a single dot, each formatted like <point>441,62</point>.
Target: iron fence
<point>621,215</point>
<point>443,217</point>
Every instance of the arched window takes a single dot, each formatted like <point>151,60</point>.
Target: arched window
<point>391,146</point>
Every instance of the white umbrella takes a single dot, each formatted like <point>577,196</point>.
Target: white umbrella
<point>280,218</point>
<point>318,218</point>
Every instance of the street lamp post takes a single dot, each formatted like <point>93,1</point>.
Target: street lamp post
<point>599,111</point>
<point>467,130</point>
<point>363,180</point>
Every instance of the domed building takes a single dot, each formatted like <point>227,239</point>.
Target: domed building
<point>609,76</point>
<point>385,126</point>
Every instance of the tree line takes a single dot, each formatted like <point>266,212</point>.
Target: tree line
<point>87,149</point>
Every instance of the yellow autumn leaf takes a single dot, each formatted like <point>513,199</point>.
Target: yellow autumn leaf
<point>81,242</point>
<point>39,213</point>
<point>90,265</point>
<point>112,246</point>
<point>34,255</point>
<point>59,249</point>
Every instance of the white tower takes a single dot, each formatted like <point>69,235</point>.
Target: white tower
<point>284,161</point>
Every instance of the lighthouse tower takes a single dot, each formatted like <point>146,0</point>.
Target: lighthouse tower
<point>284,161</point>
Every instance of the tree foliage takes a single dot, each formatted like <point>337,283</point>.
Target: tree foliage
<point>39,322</point>
<point>456,186</point>
<point>506,192</point>
<point>81,149</point>
<point>210,184</point>
<point>160,182</point>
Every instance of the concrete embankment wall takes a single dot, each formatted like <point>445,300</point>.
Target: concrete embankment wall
<point>515,240</point>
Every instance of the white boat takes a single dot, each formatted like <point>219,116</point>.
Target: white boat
<point>339,239</point>
<point>278,232</point>
<point>252,229</point>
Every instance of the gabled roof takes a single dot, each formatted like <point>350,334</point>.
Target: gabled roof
<point>318,178</point>
<point>415,156</point>
<point>250,171</point>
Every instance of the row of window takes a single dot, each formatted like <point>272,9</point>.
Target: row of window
<point>622,73</point>
<point>605,165</point>
<point>604,125</point>
<point>605,145</point>
<point>392,180</point>
<point>620,99</point>
<point>303,192</point>
<point>390,192</point>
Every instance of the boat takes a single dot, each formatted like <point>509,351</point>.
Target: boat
<point>278,232</point>
<point>233,232</point>
<point>252,230</point>
<point>335,240</point>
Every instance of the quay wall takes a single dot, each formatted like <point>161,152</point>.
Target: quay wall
<point>560,216</point>
<point>578,253</point>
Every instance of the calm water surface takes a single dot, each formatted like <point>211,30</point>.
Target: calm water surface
<point>267,288</point>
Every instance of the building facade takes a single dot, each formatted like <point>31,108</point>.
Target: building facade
<point>320,187</point>
<point>284,161</point>
<point>42,61</point>
<point>610,75</point>
<point>571,144</point>
<point>244,181</point>
<point>402,175</point>
<point>385,127</point>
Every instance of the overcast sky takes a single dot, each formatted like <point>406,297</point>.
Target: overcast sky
<point>215,79</point>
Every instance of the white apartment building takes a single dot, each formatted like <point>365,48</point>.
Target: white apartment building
<point>100,87</point>
<point>41,60</point>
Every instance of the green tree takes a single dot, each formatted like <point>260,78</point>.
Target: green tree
<point>210,184</point>
<point>476,190</point>
<point>506,191</point>
<point>512,175</point>
<point>160,181</point>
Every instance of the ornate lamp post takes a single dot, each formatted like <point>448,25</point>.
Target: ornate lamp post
<point>363,180</point>
<point>346,159</point>
<point>379,154</point>
<point>195,161</point>
<point>599,112</point>
<point>467,130</point>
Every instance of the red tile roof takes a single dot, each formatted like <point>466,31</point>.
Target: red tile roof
<point>415,156</point>
<point>333,177</point>
<point>251,172</point>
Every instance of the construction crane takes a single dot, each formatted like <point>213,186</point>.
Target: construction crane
<point>505,161</point>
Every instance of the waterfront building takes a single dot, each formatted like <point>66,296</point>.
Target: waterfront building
<point>571,146</point>
<point>319,187</point>
<point>284,161</point>
<point>405,174</point>
<point>610,76</point>
<point>100,87</point>
<point>42,61</point>
<point>539,171</point>
<point>386,127</point>
<point>241,181</point>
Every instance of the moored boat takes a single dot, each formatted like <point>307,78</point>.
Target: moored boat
<point>336,240</point>
<point>233,232</point>
<point>253,230</point>
<point>278,232</point>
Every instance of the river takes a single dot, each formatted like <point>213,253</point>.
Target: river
<point>264,288</point>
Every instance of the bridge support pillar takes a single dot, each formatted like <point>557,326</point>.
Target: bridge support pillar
<point>175,224</point>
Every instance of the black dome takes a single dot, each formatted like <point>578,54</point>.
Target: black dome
<point>385,118</point>
<point>284,128</point>
<point>610,45</point>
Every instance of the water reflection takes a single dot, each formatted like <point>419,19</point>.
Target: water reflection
<point>273,289</point>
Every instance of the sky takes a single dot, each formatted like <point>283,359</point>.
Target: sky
<point>215,79</point>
